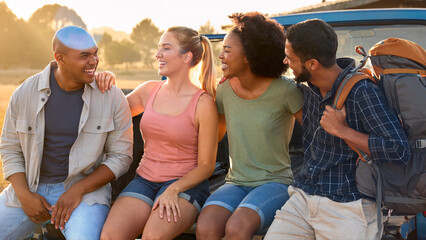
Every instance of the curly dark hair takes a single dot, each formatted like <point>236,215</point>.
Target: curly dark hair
<point>263,42</point>
<point>314,39</point>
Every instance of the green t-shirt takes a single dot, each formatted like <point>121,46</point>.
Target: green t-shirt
<point>259,132</point>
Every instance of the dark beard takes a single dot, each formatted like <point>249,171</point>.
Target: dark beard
<point>304,76</point>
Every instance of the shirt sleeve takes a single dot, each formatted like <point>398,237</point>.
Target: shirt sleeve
<point>219,98</point>
<point>293,97</point>
<point>119,143</point>
<point>387,141</point>
<point>10,147</point>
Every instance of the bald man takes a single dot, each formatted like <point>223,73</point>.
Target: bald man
<point>62,142</point>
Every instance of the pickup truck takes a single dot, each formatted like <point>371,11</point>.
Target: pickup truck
<point>353,27</point>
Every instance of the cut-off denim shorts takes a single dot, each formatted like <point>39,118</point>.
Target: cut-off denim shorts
<point>148,191</point>
<point>265,200</point>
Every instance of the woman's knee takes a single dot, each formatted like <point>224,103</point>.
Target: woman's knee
<point>106,235</point>
<point>242,224</point>
<point>152,235</point>
<point>238,230</point>
<point>208,228</point>
<point>112,232</point>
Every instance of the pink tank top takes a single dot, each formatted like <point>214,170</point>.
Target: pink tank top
<point>171,142</point>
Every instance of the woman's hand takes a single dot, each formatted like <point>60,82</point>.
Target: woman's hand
<point>168,201</point>
<point>105,80</point>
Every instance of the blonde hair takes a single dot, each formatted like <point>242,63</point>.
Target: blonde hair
<point>202,57</point>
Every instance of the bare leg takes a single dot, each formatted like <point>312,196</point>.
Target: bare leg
<point>211,223</point>
<point>126,219</point>
<point>242,224</point>
<point>157,228</point>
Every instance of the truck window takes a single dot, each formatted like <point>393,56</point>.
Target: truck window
<point>366,36</point>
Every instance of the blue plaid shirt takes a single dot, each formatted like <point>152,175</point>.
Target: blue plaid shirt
<point>331,173</point>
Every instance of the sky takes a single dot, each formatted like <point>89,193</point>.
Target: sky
<point>123,15</point>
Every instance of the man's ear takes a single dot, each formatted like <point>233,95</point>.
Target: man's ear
<point>312,64</point>
<point>59,57</point>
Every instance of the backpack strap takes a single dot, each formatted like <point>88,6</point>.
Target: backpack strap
<point>342,93</point>
<point>414,71</point>
<point>346,86</point>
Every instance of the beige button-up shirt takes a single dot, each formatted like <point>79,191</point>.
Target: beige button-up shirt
<point>105,136</point>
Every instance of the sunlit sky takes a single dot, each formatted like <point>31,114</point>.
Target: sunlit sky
<point>125,14</point>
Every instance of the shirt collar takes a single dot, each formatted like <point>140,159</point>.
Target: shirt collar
<point>43,84</point>
<point>347,64</point>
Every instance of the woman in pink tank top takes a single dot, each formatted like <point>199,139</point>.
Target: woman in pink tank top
<point>180,130</point>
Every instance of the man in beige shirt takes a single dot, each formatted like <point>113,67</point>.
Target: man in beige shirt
<point>63,141</point>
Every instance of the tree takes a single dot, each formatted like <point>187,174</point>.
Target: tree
<point>43,24</point>
<point>121,52</point>
<point>21,44</point>
<point>207,29</point>
<point>105,40</point>
<point>55,16</point>
<point>146,35</point>
<point>8,33</point>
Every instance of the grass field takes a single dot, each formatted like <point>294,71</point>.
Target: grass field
<point>11,78</point>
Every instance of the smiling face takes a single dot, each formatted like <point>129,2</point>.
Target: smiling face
<point>79,65</point>
<point>233,59</point>
<point>169,56</point>
<point>300,72</point>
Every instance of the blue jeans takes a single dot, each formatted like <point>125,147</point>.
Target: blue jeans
<point>86,221</point>
<point>148,191</point>
<point>265,200</point>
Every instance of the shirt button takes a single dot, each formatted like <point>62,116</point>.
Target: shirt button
<point>35,182</point>
<point>99,127</point>
<point>30,128</point>
<point>48,92</point>
<point>43,99</point>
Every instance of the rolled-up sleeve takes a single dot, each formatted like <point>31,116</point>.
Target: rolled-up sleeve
<point>10,147</point>
<point>119,142</point>
<point>387,141</point>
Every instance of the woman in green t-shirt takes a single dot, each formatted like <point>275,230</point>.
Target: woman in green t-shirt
<point>256,107</point>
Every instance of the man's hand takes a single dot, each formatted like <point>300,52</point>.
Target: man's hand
<point>333,121</point>
<point>65,205</point>
<point>105,80</point>
<point>35,207</point>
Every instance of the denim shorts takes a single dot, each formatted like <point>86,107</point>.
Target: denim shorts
<point>265,199</point>
<point>148,191</point>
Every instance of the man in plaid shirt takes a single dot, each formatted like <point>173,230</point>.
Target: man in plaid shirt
<point>324,201</point>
